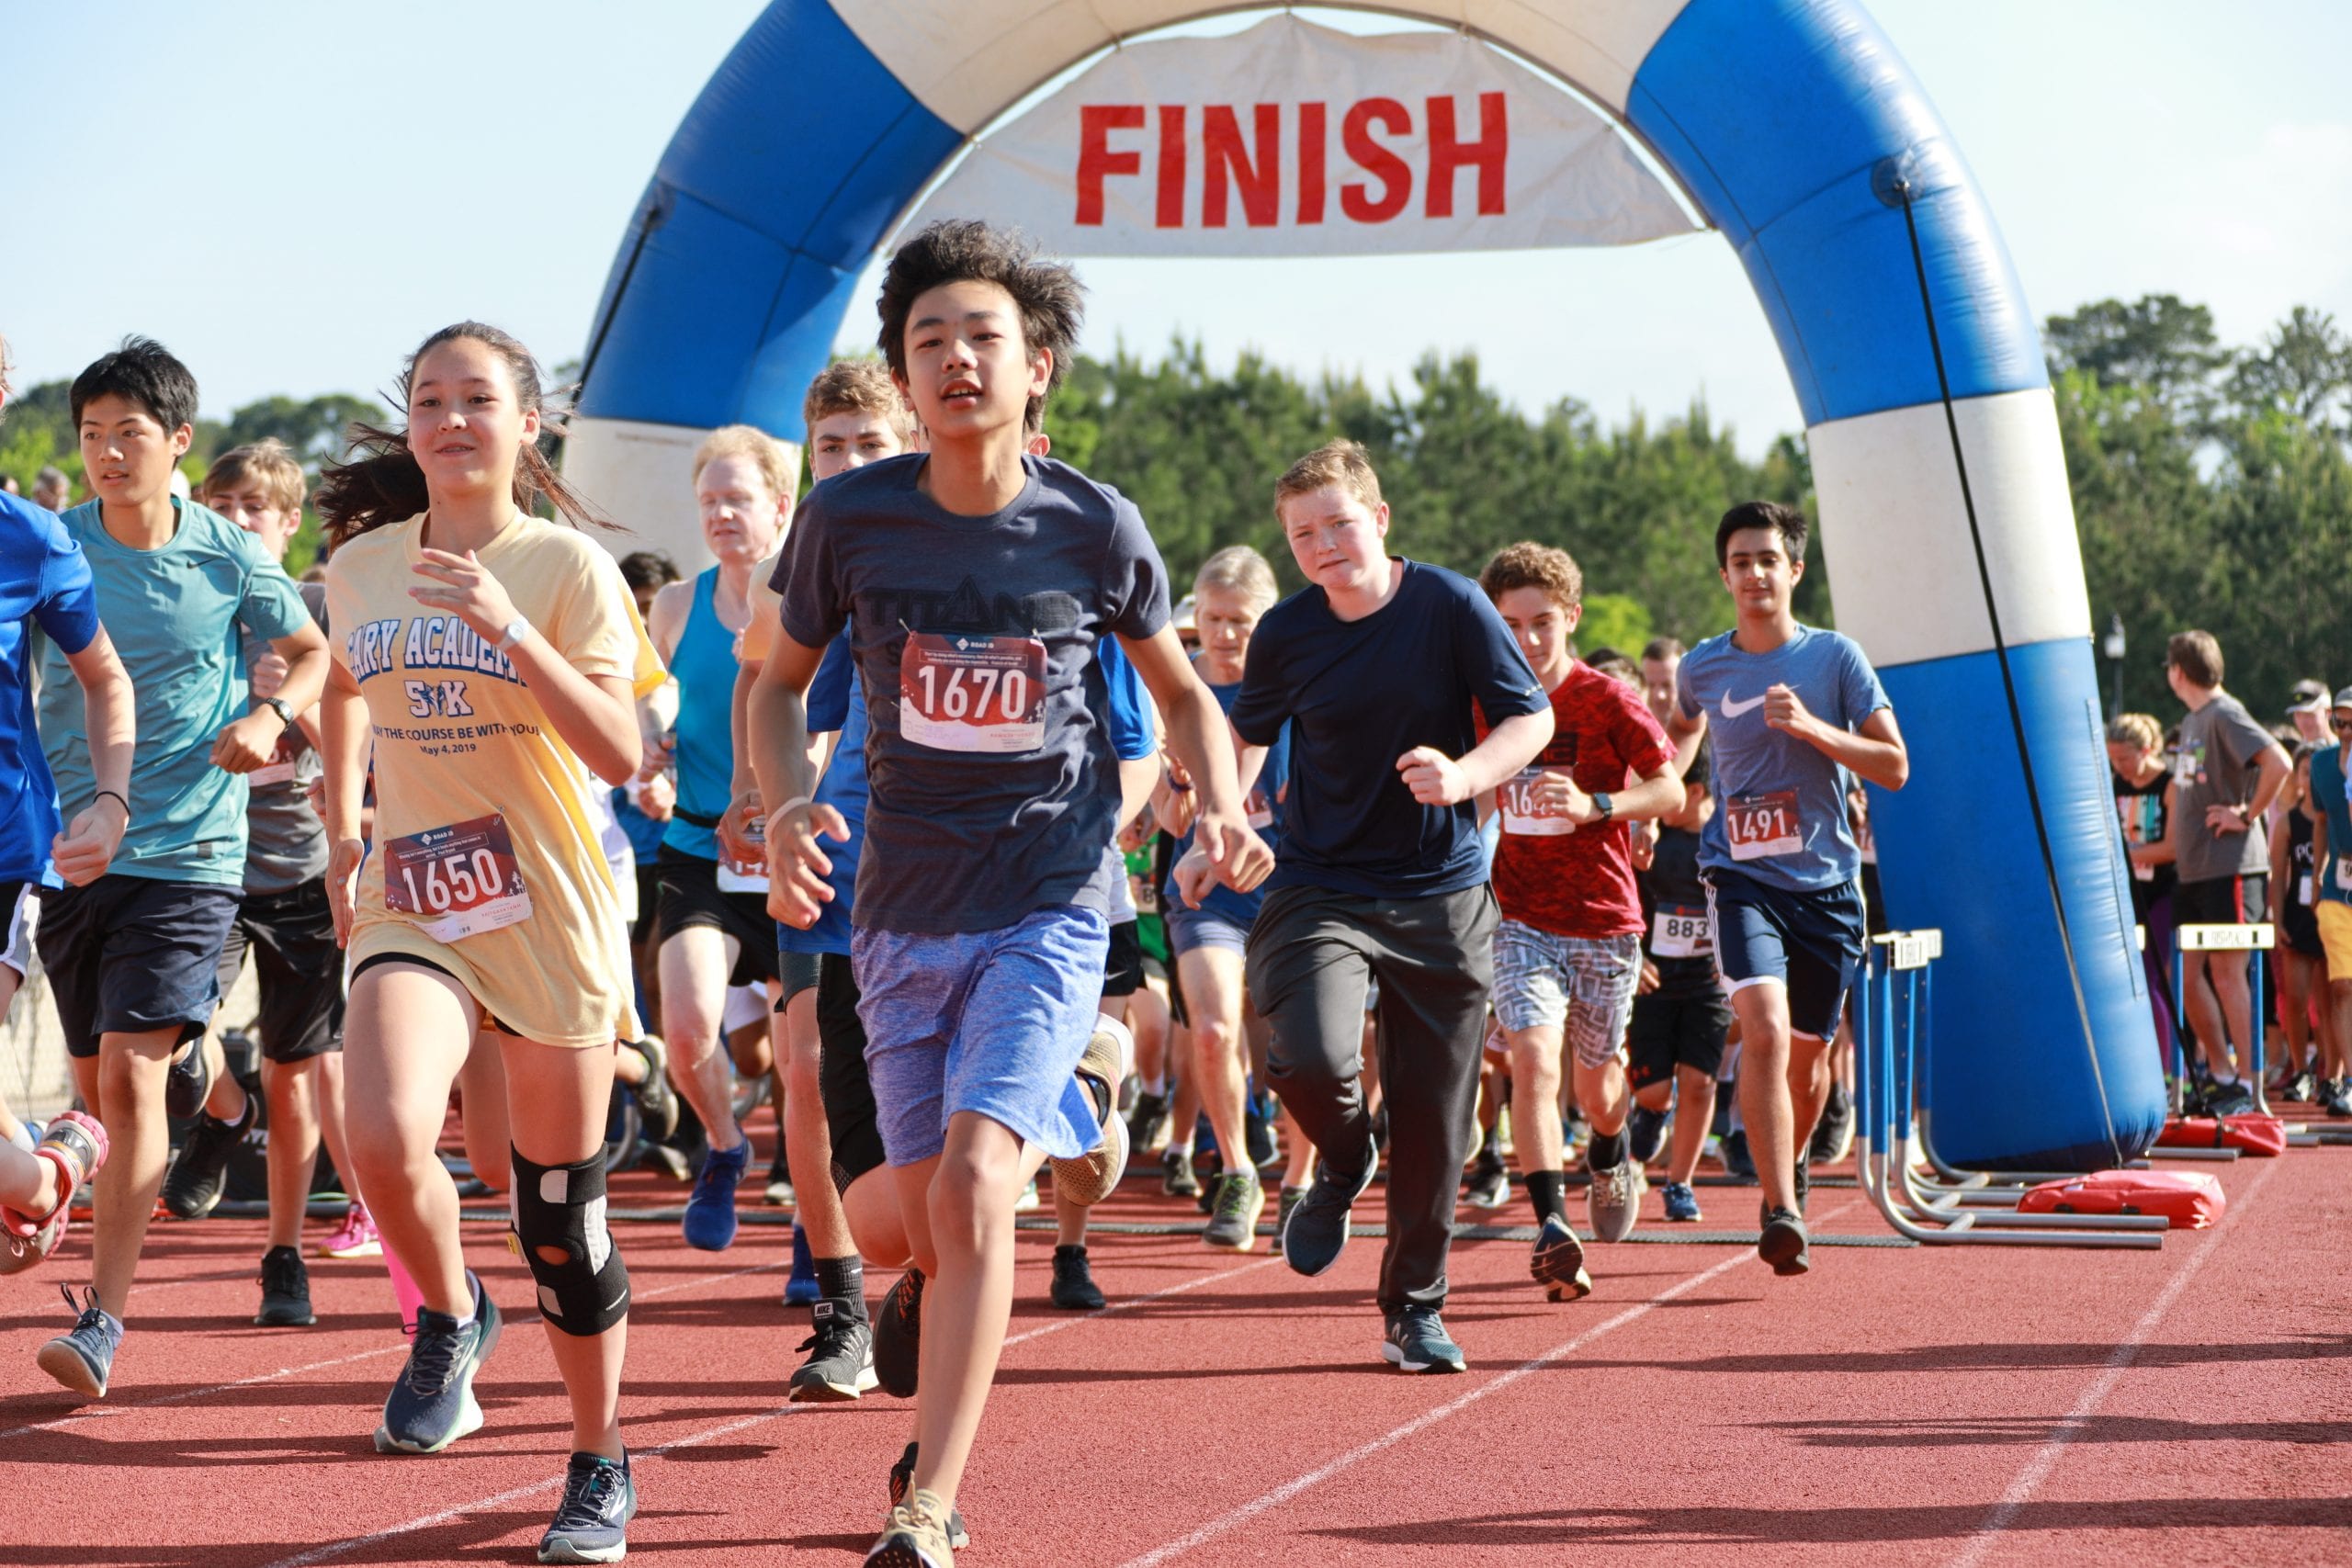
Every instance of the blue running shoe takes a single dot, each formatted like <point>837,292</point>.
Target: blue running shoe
<point>591,1524</point>
<point>801,1290</point>
<point>1417,1342</point>
<point>83,1358</point>
<point>433,1404</point>
<point>1681,1203</point>
<point>710,1210</point>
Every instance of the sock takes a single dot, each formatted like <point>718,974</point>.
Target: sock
<point>1066,1251</point>
<point>1607,1151</point>
<point>1157,1086</point>
<point>1547,1189</point>
<point>843,1280</point>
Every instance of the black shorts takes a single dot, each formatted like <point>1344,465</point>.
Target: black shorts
<point>20,905</point>
<point>2218,901</point>
<point>1123,969</point>
<point>649,901</point>
<point>128,954</point>
<point>842,1080</point>
<point>690,897</point>
<point>292,936</point>
<point>1667,1032</point>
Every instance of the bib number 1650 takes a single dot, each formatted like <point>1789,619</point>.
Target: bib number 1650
<point>457,881</point>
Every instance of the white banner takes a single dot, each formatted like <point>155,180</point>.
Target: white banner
<point>1290,139</point>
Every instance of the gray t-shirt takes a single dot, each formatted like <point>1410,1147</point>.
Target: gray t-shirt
<point>2218,760</point>
<point>286,843</point>
<point>994,783</point>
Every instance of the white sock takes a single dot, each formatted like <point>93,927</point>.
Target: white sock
<point>1156,1086</point>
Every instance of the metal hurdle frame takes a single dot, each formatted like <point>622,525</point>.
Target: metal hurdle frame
<point>2251,937</point>
<point>1971,1213</point>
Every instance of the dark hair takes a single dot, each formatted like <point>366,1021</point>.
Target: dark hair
<point>381,483</point>
<point>2197,655</point>
<point>141,371</point>
<point>1664,648</point>
<point>1604,654</point>
<point>1785,520</point>
<point>964,250</point>
<point>647,569</point>
<point>1703,762</point>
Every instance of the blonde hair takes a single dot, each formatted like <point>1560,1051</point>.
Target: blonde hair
<point>1242,570</point>
<point>1343,464</point>
<point>856,385</point>
<point>269,463</point>
<point>748,441</point>
<point>2136,729</point>
<point>1553,573</point>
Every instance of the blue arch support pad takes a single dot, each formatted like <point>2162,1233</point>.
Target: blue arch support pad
<point>1783,119</point>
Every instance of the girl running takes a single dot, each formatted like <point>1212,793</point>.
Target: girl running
<point>489,654</point>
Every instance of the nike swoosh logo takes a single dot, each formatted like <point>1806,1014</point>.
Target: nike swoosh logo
<point>1733,709</point>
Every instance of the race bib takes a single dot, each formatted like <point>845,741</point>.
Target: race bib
<point>2343,873</point>
<point>279,769</point>
<point>1526,815</point>
<point>973,693</point>
<point>2304,890</point>
<point>733,878</point>
<point>1260,809</point>
<point>1759,825</point>
<point>457,881</point>
<point>1680,934</point>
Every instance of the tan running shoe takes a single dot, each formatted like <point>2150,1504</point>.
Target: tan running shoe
<point>916,1536</point>
<point>1095,1174</point>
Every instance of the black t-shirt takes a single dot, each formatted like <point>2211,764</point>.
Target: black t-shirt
<point>2140,809</point>
<point>1359,695</point>
<point>1674,915</point>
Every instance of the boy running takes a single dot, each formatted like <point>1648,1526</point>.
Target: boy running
<point>1681,1018</point>
<point>1380,670</point>
<point>132,956</point>
<point>1794,713</point>
<point>976,584</point>
<point>1568,952</point>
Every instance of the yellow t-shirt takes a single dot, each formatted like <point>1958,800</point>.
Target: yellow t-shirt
<point>458,738</point>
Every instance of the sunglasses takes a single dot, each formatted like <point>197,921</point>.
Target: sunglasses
<point>2340,724</point>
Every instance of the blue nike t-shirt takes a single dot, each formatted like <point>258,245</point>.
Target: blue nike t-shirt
<point>1780,804</point>
<point>44,581</point>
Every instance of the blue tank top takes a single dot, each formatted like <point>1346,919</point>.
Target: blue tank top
<point>703,663</point>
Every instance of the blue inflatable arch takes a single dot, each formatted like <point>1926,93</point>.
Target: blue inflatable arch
<point>1795,128</point>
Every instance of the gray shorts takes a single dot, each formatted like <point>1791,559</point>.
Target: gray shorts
<point>1538,976</point>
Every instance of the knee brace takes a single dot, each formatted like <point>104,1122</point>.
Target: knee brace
<point>560,1208</point>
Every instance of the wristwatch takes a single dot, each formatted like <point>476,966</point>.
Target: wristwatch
<point>511,633</point>
<point>284,714</point>
<point>1606,806</point>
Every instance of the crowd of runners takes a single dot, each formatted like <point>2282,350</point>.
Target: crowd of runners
<point>938,816</point>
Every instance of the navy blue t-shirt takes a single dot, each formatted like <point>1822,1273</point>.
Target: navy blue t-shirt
<point>1356,696</point>
<point>44,580</point>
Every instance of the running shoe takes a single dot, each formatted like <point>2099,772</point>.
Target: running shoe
<point>1557,1262</point>
<point>1316,1232</point>
<point>1738,1164</point>
<point>1288,1200</point>
<point>2230,1099</point>
<point>778,1193</point>
<point>285,1291</point>
<point>591,1523</point>
<point>76,1145</point>
<point>1146,1120</point>
<point>1615,1199</point>
<point>1489,1185</point>
<point>1645,1133</point>
<point>1095,1174</point>
<point>200,1174</point>
<point>710,1209</point>
<point>667,1159</point>
<point>432,1404</point>
<point>1803,1184</point>
<point>2339,1098</point>
<point>1026,1201</point>
<point>801,1289</point>
<point>1240,1200</point>
<point>1833,1136</point>
<point>1074,1288</point>
<point>2303,1088</point>
<point>1258,1131</point>
<point>1176,1177</point>
<point>898,1337</point>
<point>355,1237</point>
<point>1416,1341</point>
<point>657,1102</point>
<point>1782,1243</point>
<point>902,1480</point>
<point>188,1083</point>
<point>840,1355</point>
<point>916,1535</point>
<point>1681,1203</point>
<point>83,1357</point>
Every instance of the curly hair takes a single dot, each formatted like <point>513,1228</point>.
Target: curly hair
<point>1553,572</point>
<point>1051,301</point>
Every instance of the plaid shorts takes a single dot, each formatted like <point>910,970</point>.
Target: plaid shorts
<point>1537,976</point>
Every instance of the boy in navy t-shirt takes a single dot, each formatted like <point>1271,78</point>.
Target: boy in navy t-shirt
<point>1792,714</point>
<point>1380,670</point>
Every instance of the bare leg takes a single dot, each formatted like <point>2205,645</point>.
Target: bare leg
<point>1692,1115</point>
<point>406,1035</point>
<point>2297,974</point>
<point>967,1194</point>
<point>327,1074</point>
<point>124,1082</point>
<point>1535,1131</point>
<point>695,966</point>
<point>872,1207</point>
<point>1212,980</point>
<point>481,1088</point>
<point>225,1100</point>
<point>292,1153</point>
<point>1604,1094</point>
<point>1765,1061</point>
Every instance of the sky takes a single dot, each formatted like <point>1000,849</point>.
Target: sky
<point>336,181</point>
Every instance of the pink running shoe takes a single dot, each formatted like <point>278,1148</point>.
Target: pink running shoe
<point>355,1237</point>
<point>76,1145</point>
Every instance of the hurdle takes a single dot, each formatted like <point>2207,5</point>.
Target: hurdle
<point>1972,1213</point>
<point>2255,937</point>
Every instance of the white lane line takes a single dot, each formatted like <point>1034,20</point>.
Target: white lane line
<point>2045,1458</point>
<point>103,1411</point>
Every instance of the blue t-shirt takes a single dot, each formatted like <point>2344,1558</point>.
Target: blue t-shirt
<point>1265,808</point>
<point>992,785</point>
<point>1356,696</point>
<point>704,664</point>
<point>2327,789</point>
<point>173,614</point>
<point>1783,800</point>
<point>45,581</point>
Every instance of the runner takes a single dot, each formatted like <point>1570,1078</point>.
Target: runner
<point>489,655</point>
<point>2302,957</point>
<point>1681,1018</point>
<point>132,956</point>
<point>2332,851</point>
<point>713,930</point>
<point>1568,952</point>
<point>1794,713</point>
<point>1379,671</point>
<point>2140,774</point>
<point>981,581</point>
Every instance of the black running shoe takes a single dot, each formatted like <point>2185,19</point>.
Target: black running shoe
<point>192,1188</point>
<point>898,1337</point>
<point>1144,1118</point>
<point>902,1480</point>
<point>1258,1132</point>
<point>591,1523</point>
<point>1488,1186</point>
<point>188,1083</point>
<point>1738,1164</point>
<point>840,1355</point>
<point>1645,1133</point>
<point>1782,1245</point>
<point>1558,1263</point>
<point>1176,1177</point>
<point>433,1404</point>
<point>285,1291</point>
<point>657,1102</point>
<point>1416,1341</point>
<point>1074,1281</point>
<point>1316,1231</point>
<point>1833,1136</point>
<point>1289,1199</point>
<point>1805,1182</point>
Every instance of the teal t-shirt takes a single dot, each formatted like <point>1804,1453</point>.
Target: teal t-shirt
<point>172,614</point>
<point>2328,791</point>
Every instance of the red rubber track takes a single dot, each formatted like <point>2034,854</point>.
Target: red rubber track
<point>1896,1407</point>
